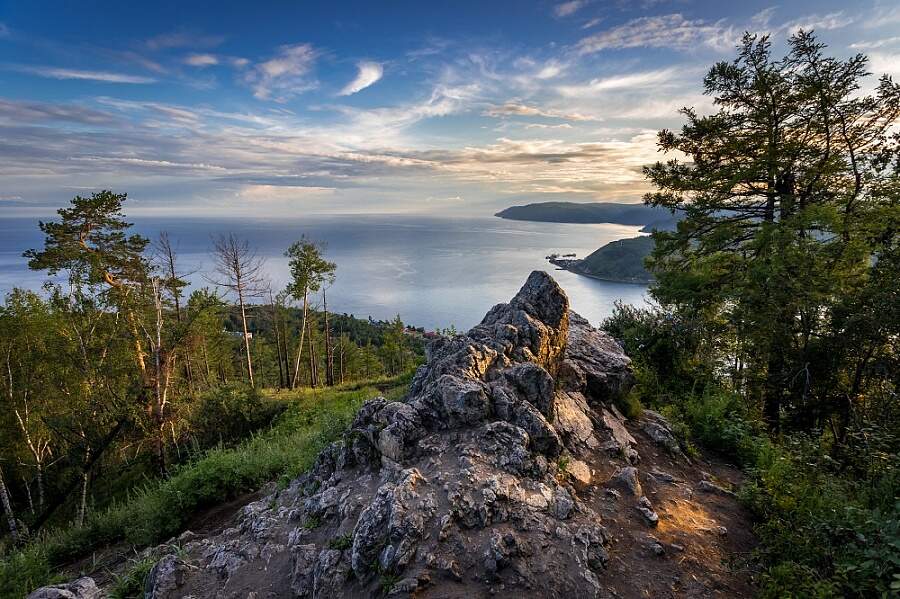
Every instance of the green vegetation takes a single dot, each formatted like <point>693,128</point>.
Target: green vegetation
<point>621,260</point>
<point>156,511</point>
<point>775,341</point>
<point>126,407</point>
<point>602,212</point>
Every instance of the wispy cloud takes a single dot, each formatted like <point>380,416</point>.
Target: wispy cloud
<point>872,44</point>
<point>630,81</point>
<point>183,39</point>
<point>368,73</point>
<point>201,60</point>
<point>662,31</point>
<point>103,76</point>
<point>284,75</point>
<point>23,111</point>
<point>834,20</point>
<point>4,30</point>
<point>518,109</point>
<point>568,8</point>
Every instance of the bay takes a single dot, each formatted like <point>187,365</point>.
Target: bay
<point>433,271</point>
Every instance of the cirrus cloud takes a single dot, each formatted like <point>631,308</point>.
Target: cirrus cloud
<point>368,73</point>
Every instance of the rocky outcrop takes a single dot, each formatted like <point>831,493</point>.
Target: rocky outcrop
<point>497,474</point>
<point>81,588</point>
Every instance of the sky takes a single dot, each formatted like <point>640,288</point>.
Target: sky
<point>289,108</point>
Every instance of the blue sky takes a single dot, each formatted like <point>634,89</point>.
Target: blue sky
<point>287,108</point>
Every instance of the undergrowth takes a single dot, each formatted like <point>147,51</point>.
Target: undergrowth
<point>161,509</point>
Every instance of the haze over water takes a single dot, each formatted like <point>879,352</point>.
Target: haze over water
<point>433,271</point>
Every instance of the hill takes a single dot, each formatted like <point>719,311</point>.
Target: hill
<point>621,260</point>
<point>598,212</point>
<point>490,476</point>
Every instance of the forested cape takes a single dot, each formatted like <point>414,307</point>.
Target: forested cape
<point>119,374</point>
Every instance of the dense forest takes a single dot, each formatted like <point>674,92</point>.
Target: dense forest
<point>118,375</point>
<point>775,337</point>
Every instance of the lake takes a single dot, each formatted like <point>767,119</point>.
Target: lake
<point>433,271</point>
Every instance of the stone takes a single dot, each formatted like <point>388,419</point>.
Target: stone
<point>579,473</point>
<point>645,508</point>
<point>626,479</point>
<point>166,576</point>
<point>710,487</point>
<point>81,588</point>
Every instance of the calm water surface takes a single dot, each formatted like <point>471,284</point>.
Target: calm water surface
<point>433,271</point>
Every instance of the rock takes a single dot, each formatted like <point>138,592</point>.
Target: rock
<point>81,588</point>
<point>626,479</point>
<point>166,576</point>
<point>579,473</point>
<point>645,508</point>
<point>659,429</point>
<point>621,441</point>
<point>453,484</point>
<point>710,487</point>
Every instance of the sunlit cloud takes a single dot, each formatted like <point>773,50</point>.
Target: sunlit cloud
<point>518,109</point>
<point>368,74</point>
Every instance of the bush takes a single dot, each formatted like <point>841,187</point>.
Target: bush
<point>230,413</point>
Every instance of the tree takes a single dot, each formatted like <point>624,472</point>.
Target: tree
<point>90,241</point>
<point>777,193</point>
<point>240,271</point>
<point>309,271</point>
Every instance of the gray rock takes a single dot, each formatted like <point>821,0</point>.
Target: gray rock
<point>82,588</point>
<point>626,479</point>
<point>166,576</point>
<point>710,487</point>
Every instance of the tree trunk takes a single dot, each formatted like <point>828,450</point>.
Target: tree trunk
<point>246,338</point>
<point>329,356</point>
<point>302,333</point>
<point>281,384</point>
<point>7,509</point>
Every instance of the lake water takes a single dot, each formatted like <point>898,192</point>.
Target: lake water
<point>433,271</point>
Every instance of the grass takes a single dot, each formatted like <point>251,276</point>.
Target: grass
<point>161,509</point>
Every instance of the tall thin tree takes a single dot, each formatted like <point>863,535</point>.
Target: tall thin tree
<point>239,270</point>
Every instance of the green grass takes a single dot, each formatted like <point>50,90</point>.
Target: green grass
<point>160,510</point>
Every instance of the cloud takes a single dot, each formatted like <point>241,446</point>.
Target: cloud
<point>518,109</point>
<point>368,74</point>
<point>284,75</point>
<point>885,63</point>
<point>262,193</point>
<point>568,8</point>
<point>545,126</point>
<point>201,60</point>
<point>834,20</point>
<point>182,39</point>
<point>4,30</point>
<point>41,112</point>
<point>882,15</point>
<point>869,45</point>
<point>662,31</point>
<point>631,81</point>
<point>58,73</point>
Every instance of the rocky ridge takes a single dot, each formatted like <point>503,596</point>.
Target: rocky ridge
<point>506,469</point>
